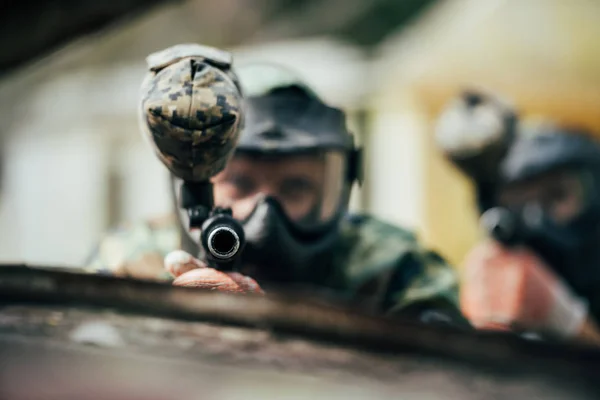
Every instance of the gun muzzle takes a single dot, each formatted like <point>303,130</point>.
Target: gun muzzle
<point>222,240</point>
<point>502,225</point>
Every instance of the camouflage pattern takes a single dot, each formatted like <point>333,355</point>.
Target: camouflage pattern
<point>137,250</point>
<point>382,264</point>
<point>191,110</point>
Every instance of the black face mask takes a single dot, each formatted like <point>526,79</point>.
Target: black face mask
<point>282,250</point>
<point>277,249</point>
<point>572,250</point>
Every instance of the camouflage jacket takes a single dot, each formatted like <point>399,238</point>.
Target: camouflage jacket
<point>381,266</point>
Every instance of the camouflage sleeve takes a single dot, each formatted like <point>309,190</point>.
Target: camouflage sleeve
<point>387,270</point>
<point>426,286</point>
<point>136,251</point>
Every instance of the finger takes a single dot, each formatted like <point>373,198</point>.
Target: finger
<point>247,284</point>
<point>208,278</point>
<point>179,262</point>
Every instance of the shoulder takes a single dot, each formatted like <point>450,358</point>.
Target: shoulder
<point>370,247</point>
<point>133,241</point>
<point>368,244</point>
<point>391,258</point>
<point>369,228</point>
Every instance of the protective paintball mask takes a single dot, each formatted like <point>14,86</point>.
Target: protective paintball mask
<point>293,220</point>
<point>281,249</point>
<point>550,203</point>
<point>289,206</point>
<point>289,183</point>
<point>565,235</point>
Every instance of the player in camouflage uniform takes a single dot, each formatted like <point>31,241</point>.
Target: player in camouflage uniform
<point>538,195</point>
<point>288,182</point>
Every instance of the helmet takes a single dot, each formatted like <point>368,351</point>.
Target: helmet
<point>542,146</point>
<point>283,116</point>
<point>257,79</point>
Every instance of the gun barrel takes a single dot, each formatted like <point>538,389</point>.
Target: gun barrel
<point>223,242</point>
<point>502,225</point>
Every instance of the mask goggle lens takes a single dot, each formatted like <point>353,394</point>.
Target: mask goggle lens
<point>562,196</point>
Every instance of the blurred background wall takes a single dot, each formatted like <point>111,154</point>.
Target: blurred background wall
<point>75,163</point>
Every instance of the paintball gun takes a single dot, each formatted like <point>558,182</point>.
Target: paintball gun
<point>191,115</point>
<point>474,132</point>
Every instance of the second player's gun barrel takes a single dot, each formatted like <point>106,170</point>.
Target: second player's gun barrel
<point>502,225</point>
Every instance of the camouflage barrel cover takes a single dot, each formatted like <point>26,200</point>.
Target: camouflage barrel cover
<point>191,109</point>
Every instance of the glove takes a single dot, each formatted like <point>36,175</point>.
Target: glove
<point>513,289</point>
<point>191,272</point>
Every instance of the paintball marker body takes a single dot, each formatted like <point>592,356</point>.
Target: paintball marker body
<point>191,115</point>
<point>474,132</point>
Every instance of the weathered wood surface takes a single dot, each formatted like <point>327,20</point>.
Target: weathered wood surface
<point>52,318</point>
